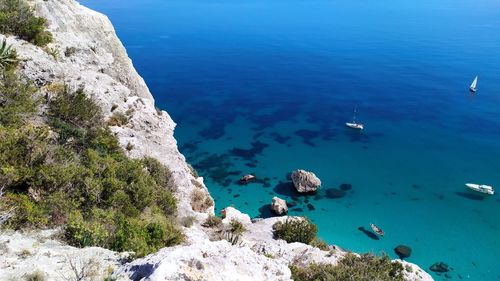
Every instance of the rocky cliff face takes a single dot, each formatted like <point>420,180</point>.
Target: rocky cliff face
<point>87,53</point>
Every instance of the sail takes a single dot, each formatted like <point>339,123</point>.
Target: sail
<point>474,83</point>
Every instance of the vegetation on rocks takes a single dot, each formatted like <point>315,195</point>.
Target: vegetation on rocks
<point>62,166</point>
<point>236,227</point>
<point>212,221</point>
<point>365,267</point>
<point>17,18</point>
<point>296,230</point>
<point>200,201</point>
<point>8,56</point>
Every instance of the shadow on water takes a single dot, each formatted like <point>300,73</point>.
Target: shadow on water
<point>368,233</point>
<point>286,189</point>
<point>470,196</point>
<point>265,212</point>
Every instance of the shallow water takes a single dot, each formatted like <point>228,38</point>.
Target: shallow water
<point>265,87</point>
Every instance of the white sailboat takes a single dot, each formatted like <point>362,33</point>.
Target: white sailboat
<point>481,188</point>
<point>473,86</point>
<point>353,124</point>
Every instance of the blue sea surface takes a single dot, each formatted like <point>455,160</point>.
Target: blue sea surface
<point>265,87</point>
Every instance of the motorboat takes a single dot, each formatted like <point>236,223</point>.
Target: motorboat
<point>481,188</point>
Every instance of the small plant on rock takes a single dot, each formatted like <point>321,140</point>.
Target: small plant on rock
<point>212,221</point>
<point>236,227</point>
<point>200,202</point>
<point>117,119</point>
<point>36,275</point>
<point>8,56</point>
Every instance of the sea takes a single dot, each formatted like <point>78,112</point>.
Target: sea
<point>265,87</point>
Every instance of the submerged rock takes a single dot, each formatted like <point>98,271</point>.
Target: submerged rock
<point>279,206</point>
<point>440,267</point>
<point>335,193</point>
<point>346,186</point>
<point>403,251</point>
<point>305,181</point>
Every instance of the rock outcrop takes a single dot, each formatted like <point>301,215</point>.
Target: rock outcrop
<point>99,63</point>
<point>305,181</point>
<point>24,254</point>
<point>278,206</point>
<point>403,251</point>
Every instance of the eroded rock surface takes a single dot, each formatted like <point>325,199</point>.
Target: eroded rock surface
<point>305,181</point>
<point>278,206</point>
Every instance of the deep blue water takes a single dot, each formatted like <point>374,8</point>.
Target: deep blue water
<point>265,87</point>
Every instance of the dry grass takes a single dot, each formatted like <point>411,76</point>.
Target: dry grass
<point>200,202</point>
<point>55,87</point>
<point>117,119</point>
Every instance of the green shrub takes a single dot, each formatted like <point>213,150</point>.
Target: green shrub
<point>295,230</point>
<point>71,172</point>
<point>8,56</point>
<point>212,221</point>
<point>236,227</point>
<point>366,267</point>
<point>27,213</point>
<point>88,232</point>
<point>318,243</point>
<point>161,174</point>
<point>16,99</point>
<point>75,108</point>
<point>144,237</point>
<point>166,201</point>
<point>16,17</point>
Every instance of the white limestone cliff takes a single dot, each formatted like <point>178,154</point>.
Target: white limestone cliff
<point>90,55</point>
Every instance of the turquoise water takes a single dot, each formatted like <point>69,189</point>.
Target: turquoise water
<point>265,87</point>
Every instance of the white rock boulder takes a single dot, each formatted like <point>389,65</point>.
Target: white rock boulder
<point>279,206</point>
<point>305,181</point>
<point>231,213</point>
<point>218,261</point>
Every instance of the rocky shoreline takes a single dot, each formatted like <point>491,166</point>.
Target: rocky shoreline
<point>99,63</point>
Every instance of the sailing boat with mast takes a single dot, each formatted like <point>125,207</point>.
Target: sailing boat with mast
<point>353,124</point>
<point>473,86</point>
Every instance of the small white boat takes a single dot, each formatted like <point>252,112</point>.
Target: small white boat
<point>473,86</point>
<point>481,188</point>
<point>353,124</point>
<point>377,229</point>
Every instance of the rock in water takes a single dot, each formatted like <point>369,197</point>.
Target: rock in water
<point>440,267</point>
<point>403,251</point>
<point>335,193</point>
<point>305,181</point>
<point>279,206</point>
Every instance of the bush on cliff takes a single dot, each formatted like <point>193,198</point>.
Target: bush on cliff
<point>17,17</point>
<point>352,267</point>
<point>295,230</point>
<point>67,169</point>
